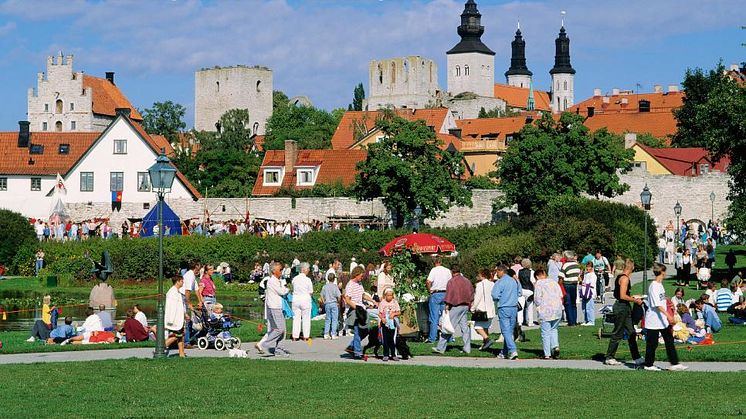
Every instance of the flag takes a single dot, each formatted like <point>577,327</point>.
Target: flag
<point>60,186</point>
<point>116,200</point>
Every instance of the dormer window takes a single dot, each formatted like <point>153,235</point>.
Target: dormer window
<point>37,149</point>
<point>272,176</point>
<point>64,149</point>
<point>306,176</point>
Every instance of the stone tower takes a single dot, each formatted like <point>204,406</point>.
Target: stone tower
<point>406,82</point>
<point>563,75</point>
<point>470,63</point>
<point>518,74</point>
<point>220,89</point>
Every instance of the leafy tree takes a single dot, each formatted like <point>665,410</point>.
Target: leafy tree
<point>552,158</point>
<point>497,113</point>
<point>279,100</point>
<point>481,182</point>
<point>408,168</point>
<point>691,117</point>
<point>312,128</point>
<point>322,190</point>
<point>15,233</point>
<point>357,98</point>
<point>164,118</point>
<point>650,140</point>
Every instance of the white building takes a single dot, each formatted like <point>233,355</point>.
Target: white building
<point>405,82</point>
<point>563,75</point>
<point>65,100</point>
<point>94,166</point>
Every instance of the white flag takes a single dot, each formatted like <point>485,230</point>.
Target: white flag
<point>60,186</point>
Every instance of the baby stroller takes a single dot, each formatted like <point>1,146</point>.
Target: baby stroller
<point>607,326</point>
<point>215,332</point>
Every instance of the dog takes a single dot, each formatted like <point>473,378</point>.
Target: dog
<point>374,342</point>
<point>237,353</point>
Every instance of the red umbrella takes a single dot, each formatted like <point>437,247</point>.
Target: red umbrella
<point>419,243</point>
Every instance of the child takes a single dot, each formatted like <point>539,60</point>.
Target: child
<point>686,318</point>
<point>388,312</point>
<point>723,296</point>
<point>588,293</point>
<point>330,296</point>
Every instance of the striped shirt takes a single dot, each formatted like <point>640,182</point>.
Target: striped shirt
<point>723,299</point>
<point>570,272</point>
<point>355,291</point>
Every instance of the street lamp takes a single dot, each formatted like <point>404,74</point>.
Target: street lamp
<point>645,197</point>
<point>712,207</point>
<point>162,175</point>
<point>677,211</point>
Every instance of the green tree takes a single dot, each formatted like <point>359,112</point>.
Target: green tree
<point>279,100</point>
<point>357,98</point>
<point>496,113</point>
<point>691,117</point>
<point>650,140</point>
<point>408,168</point>
<point>15,233</point>
<point>164,118</point>
<point>481,182</point>
<point>312,128</point>
<point>552,158</point>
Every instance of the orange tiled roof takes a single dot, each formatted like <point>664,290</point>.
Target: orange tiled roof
<point>334,166</point>
<point>259,142</point>
<point>15,160</point>
<point>685,161</point>
<point>659,102</point>
<point>475,129</point>
<point>517,97</point>
<point>739,75</point>
<point>658,124</point>
<point>107,97</point>
<point>344,136</point>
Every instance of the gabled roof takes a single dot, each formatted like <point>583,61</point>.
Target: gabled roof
<point>107,97</point>
<point>334,166</point>
<point>659,102</point>
<point>658,124</point>
<point>685,161</point>
<point>15,160</point>
<point>344,136</point>
<point>517,97</point>
<point>475,129</point>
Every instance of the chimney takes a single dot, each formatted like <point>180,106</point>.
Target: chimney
<point>672,88</point>
<point>605,100</point>
<point>625,101</point>
<point>615,91</point>
<point>658,88</point>
<point>455,132</point>
<point>291,154</point>
<point>123,111</point>
<point>110,76</point>
<point>596,92</point>
<point>591,111</point>
<point>630,139</point>
<point>24,136</point>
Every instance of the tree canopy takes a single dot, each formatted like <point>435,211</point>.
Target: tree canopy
<point>650,140</point>
<point>692,116</point>
<point>164,118</point>
<point>408,169</point>
<point>312,128</point>
<point>358,95</point>
<point>552,158</point>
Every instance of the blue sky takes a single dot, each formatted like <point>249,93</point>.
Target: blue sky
<point>321,48</point>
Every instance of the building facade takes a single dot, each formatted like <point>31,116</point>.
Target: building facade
<point>406,82</point>
<point>563,75</point>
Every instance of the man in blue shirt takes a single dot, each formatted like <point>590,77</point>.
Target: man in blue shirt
<point>505,293</point>
<point>709,315</point>
<point>62,333</point>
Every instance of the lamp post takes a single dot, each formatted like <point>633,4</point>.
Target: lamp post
<point>162,175</point>
<point>645,197</point>
<point>677,211</point>
<point>712,207</point>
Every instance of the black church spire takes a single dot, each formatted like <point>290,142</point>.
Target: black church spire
<point>518,57</point>
<point>470,31</point>
<point>562,54</point>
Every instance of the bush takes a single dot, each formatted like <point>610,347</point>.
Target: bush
<point>15,233</point>
<point>498,250</point>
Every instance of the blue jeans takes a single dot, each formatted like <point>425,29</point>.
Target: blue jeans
<point>549,335</point>
<point>588,310</point>
<point>436,306</point>
<point>508,316</point>
<point>39,265</point>
<point>332,318</point>
<point>571,305</point>
<point>357,337</point>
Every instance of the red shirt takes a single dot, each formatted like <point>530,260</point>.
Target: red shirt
<point>134,331</point>
<point>209,290</point>
<point>459,291</point>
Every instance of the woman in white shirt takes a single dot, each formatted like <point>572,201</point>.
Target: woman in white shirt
<point>302,293</point>
<point>483,307</point>
<point>385,280</point>
<point>657,320</point>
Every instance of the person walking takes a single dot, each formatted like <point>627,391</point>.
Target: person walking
<point>483,309</point>
<point>273,306</point>
<point>569,275</point>
<point>527,279</point>
<point>384,280</point>
<point>353,296</point>
<point>505,294</point>
<point>388,314</point>
<point>458,299</point>
<point>302,294</point>
<point>330,296</point>
<point>548,300</point>
<point>657,322</point>
<point>437,281</point>
<point>588,293</point>
<point>175,316</point>
<point>686,267</point>
<point>623,317</point>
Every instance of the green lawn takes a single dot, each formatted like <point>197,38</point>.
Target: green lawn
<point>228,387</point>
<point>721,251</point>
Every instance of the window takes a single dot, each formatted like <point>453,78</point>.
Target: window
<point>565,85</point>
<point>305,177</point>
<point>44,126</point>
<point>458,71</point>
<point>258,85</point>
<point>217,86</point>
<point>58,126</point>
<point>271,177</point>
<point>58,105</point>
<point>86,181</point>
<point>508,139</point>
<point>143,182</point>
<point>704,169</point>
<point>35,183</point>
<point>46,107</point>
<point>466,70</point>
<point>117,181</point>
<point>565,104</point>
<point>120,146</point>
<point>72,106</point>
<point>3,183</point>
<point>64,149</point>
<point>72,125</point>
<point>393,72</point>
<point>37,149</point>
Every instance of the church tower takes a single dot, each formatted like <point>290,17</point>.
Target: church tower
<point>470,62</point>
<point>563,75</point>
<point>518,74</point>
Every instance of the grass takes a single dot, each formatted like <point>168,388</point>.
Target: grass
<point>230,387</point>
<point>721,251</point>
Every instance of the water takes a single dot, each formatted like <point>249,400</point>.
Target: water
<point>25,320</point>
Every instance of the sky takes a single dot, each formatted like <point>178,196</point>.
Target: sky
<point>321,48</point>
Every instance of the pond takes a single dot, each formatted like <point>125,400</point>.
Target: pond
<point>244,308</point>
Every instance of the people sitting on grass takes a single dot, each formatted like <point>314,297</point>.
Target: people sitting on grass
<point>724,296</point>
<point>62,333</point>
<point>105,316</point>
<point>709,315</point>
<point>678,297</point>
<point>42,327</point>
<point>738,313</point>
<point>686,318</point>
<point>133,330</point>
<point>91,331</point>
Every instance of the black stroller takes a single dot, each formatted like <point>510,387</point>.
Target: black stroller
<point>215,332</point>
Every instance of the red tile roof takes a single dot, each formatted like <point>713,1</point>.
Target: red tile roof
<point>475,129</point>
<point>344,136</point>
<point>517,97</point>
<point>334,166</point>
<point>107,97</point>
<point>659,102</point>
<point>685,161</point>
<point>259,142</point>
<point>658,124</point>
<point>15,160</point>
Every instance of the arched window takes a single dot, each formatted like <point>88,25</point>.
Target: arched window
<point>380,74</point>
<point>58,126</point>
<point>458,71</point>
<point>431,72</point>
<point>58,106</point>
<point>393,72</point>
<point>466,70</point>
<point>565,104</point>
<point>565,84</point>
<point>72,106</point>
<point>258,84</point>
<point>406,70</point>
<point>217,86</point>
